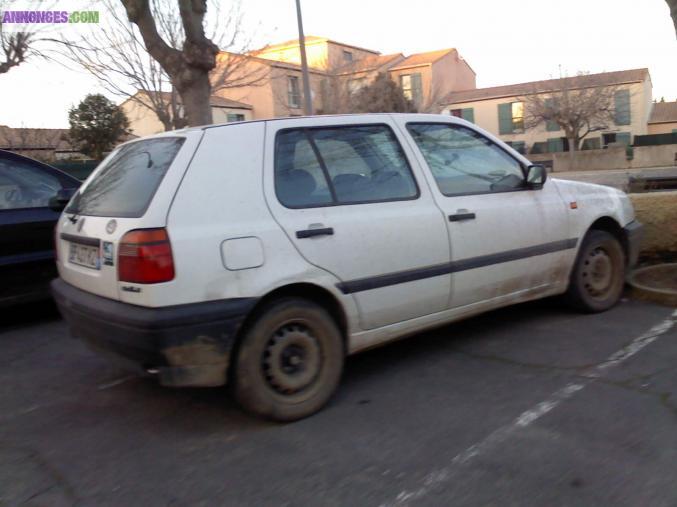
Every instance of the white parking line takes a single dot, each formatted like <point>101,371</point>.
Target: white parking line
<point>443,475</point>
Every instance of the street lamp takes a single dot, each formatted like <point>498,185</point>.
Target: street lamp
<point>307,99</point>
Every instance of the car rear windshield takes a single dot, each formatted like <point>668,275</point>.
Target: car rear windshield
<point>125,186</point>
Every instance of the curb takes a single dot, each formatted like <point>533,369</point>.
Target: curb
<point>647,291</point>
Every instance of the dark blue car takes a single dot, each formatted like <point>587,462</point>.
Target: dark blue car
<point>31,195</point>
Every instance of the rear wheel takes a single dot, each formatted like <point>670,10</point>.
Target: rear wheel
<point>289,362</point>
<point>599,274</point>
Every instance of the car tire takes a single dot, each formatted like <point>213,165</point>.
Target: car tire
<point>598,277</point>
<point>289,361</point>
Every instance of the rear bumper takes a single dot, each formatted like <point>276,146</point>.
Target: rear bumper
<point>189,345</point>
<point>634,232</point>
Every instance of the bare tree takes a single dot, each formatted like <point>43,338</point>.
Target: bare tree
<point>574,105</point>
<point>116,55</point>
<point>18,46</point>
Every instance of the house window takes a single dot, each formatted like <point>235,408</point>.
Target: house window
<point>550,125</point>
<point>347,56</point>
<point>622,105</point>
<point>293,92</point>
<point>592,143</point>
<point>555,145</point>
<point>511,118</point>
<point>624,138</point>
<point>234,117</point>
<point>467,113</point>
<point>411,87</point>
<point>617,137</point>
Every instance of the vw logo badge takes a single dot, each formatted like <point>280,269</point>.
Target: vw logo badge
<point>80,224</point>
<point>110,226</point>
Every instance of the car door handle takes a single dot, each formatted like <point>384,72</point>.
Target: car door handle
<point>309,233</point>
<point>462,216</point>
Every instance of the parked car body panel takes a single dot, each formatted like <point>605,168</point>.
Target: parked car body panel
<point>394,266</point>
<point>27,226</point>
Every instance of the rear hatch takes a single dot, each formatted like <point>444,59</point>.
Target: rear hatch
<point>131,189</point>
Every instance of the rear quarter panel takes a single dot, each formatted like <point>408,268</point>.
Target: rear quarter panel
<point>220,200</point>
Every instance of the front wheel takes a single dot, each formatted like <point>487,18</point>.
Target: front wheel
<point>598,276</point>
<point>289,362</point>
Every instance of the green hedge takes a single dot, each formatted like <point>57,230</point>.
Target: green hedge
<point>76,168</point>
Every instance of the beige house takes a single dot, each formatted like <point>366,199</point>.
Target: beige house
<point>427,78</point>
<point>500,110</point>
<point>143,121</point>
<point>277,89</point>
<point>663,118</point>
<point>272,88</point>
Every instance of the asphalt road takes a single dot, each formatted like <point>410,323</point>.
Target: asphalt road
<point>530,405</point>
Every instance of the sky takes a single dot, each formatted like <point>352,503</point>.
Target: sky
<point>504,41</point>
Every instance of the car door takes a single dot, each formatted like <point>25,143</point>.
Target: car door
<point>506,237</point>
<point>352,203</point>
<point>27,226</point>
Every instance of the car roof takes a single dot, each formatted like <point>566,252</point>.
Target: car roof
<point>303,118</point>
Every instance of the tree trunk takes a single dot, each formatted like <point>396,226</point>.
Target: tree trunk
<point>573,148</point>
<point>189,67</point>
<point>195,98</point>
<point>673,12</point>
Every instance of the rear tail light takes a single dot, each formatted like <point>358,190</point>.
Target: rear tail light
<point>145,256</point>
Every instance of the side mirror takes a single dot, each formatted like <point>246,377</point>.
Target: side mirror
<point>536,176</point>
<point>61,199</point>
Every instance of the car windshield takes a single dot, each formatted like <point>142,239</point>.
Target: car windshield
<point>125,186</point>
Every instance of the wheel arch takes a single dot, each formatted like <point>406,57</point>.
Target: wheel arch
<point>611,225</point>
<point>304,290</point>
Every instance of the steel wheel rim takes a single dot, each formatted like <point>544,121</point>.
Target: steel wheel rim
<point>292,359</point>
<point>598,273</point>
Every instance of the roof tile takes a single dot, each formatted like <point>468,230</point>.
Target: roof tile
<point>549,85</point>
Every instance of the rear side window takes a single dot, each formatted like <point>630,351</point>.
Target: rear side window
<point>127,183</point>
<point>24,185</point>
<point>341,165</point>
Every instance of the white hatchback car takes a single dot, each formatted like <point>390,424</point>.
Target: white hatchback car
<point>260,254</point>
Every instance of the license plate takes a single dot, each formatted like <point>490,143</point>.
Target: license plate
<point>84,255</point>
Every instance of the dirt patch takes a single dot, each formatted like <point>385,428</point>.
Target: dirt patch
<point>658,212</point>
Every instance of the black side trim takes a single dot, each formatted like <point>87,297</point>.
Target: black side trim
<point>80,239</point>
<point>410,275</point>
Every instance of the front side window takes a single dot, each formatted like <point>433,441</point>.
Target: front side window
<point>24,185</point>
<point>293,92</point>
<point>127,183</point>
<point>464,161</point>
<point>341,165</point>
